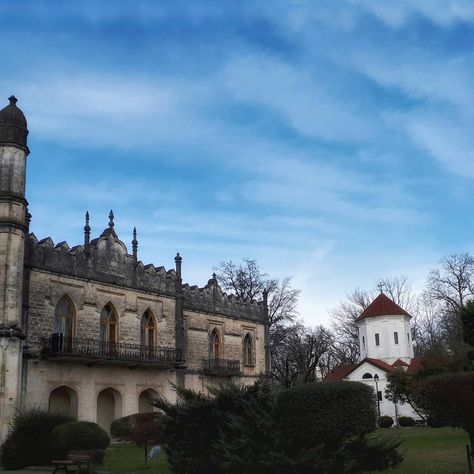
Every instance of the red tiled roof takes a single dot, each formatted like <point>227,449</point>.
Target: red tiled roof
<point>382,306</point>
<point>338,373</point>
<point>378,363</point>
<point>415,365</point>
<point>399,363</point>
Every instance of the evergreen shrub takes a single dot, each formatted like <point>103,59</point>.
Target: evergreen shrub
<point>143,429</point>
<point>247,429</point>
<point>385,421</point>
<point>30,441</point>
<point>83,436</point>
<point>406,421</point>
<point>328,413</point>
<point>124,428</point>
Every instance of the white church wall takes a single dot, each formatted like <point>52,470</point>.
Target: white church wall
<point>380,339</point>
<point>387,407</point>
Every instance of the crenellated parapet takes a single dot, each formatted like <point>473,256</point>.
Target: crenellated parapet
<point>104,260</point>
<point>212,299</point>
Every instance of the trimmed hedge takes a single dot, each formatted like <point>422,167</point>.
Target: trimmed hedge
<point>125,428</point>
<point>385,421</point>
<point>30,441</point>
<point>406,421</point>
<point>81,435</point>
<point>328,413</point>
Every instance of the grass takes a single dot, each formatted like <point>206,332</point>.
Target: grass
<point>427,451</point>
<point>128,458</point>
<point>432,451</point>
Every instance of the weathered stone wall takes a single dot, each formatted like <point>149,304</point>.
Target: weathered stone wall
<point>104,273</point>
<point>89,298</point>
<point>199,326</point>
<point>88,382</point>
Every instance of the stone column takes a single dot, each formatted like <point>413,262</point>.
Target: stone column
<point>13,228</point>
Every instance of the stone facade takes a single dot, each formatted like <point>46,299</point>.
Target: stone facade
<point>91,330</point>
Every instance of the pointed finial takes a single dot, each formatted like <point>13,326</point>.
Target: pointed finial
<point>380,287</point>
<point>87,231</point>
<point>13,100</point>
<point>177,260</point>
<point>111,218</point>
<point>214,276</point>
<point>135,243</point>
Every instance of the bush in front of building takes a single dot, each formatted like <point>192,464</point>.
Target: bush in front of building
<point>234,430</point>
<point>238,429</point>
<point>332,425</point>
<point>82,436</point>
<point>406,421</point>
<point>143,429</point>
<point>328,413</point>
<point>30,441</point>
<point>385,421</point>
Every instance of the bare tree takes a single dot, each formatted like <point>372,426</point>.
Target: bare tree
<point>344,327</point>
<point>399,290</point>
<point>297,355</point>
<point>247,281</point>
<point>452,284</point>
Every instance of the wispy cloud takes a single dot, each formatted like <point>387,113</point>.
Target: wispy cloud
<point>331,141</point>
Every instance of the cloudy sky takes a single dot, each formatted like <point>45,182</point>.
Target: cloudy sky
<point>332,140</point>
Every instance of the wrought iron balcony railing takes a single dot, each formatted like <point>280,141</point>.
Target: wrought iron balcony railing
<point>75,348</point>
<point>222,367</point>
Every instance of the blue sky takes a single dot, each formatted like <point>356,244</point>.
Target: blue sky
<point>331,140</point>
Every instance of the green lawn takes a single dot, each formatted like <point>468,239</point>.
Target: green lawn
<point>432,451</point>
<point>128,458</point>
<point>427,451</point>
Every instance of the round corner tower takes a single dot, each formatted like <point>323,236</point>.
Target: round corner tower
<point>13,229</point>
<point>384,331</point>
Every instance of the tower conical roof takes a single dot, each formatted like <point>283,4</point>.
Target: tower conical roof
<point>382,306</point>
<point>13,126</point>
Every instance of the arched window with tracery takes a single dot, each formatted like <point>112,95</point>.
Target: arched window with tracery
<point>65,317</point>
<point>367,375</point>
<point>148,330</point>
<point>108,324</point>
<point>248,350</point>
<point>214,345</point>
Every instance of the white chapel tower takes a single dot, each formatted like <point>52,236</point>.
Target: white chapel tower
<point>384,332</point>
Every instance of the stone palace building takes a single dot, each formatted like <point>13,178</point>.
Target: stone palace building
<point>90,330</point>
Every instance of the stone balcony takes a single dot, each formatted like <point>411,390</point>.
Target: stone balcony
<point>95,352</point>
<point>222,367</point>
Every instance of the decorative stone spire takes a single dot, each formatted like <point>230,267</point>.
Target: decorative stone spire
<point>87,231</point>
<point>178,260</point>
<point>13,127</point>
<point>135,243</point>
<point>111,218</point>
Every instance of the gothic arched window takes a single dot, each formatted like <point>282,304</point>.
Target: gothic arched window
<point>65,317</point>
<point>248,350</point>
<point>108,324</point>
<point>148,330</point>
<point>214,345</point>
